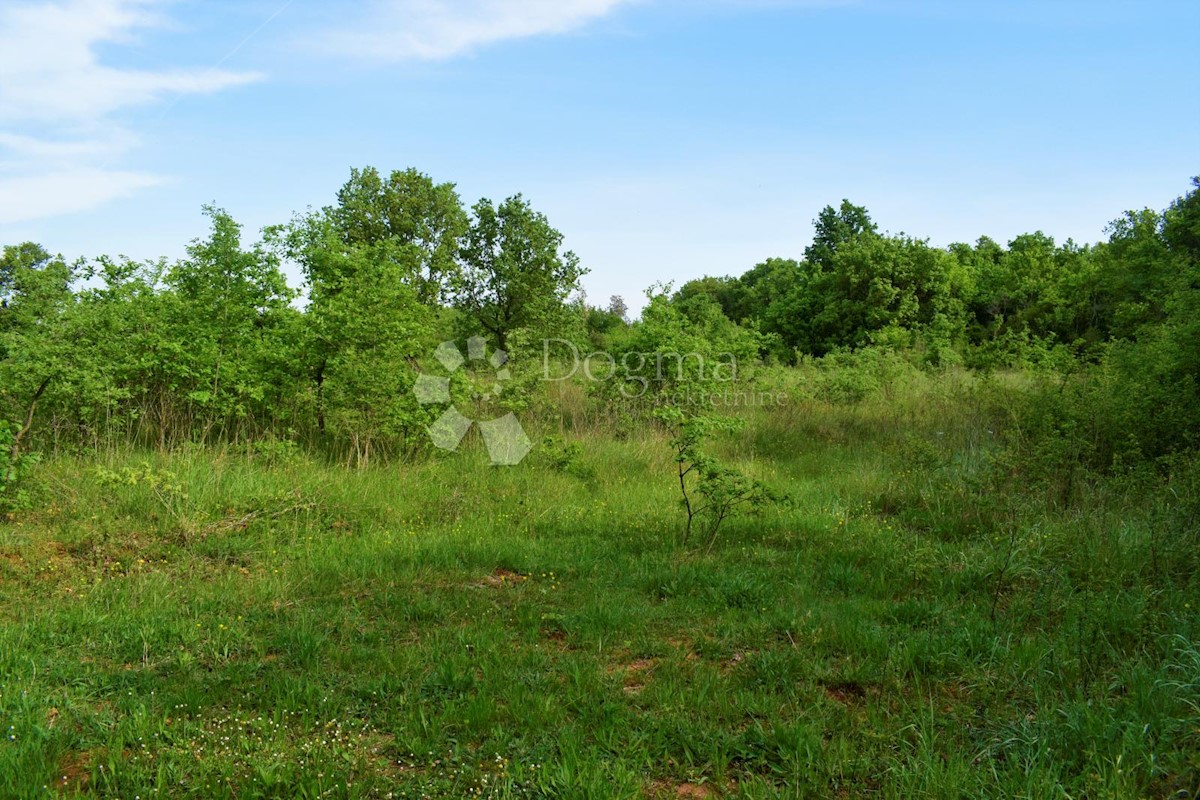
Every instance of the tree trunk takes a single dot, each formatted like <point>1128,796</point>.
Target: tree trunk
<point>15,451</point>
<point>320,379</point>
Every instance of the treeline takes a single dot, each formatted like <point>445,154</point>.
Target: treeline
<point>985,302</point>
<point>1116,324</point>
<point>218,347</point>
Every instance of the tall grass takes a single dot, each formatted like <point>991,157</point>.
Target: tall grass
<point>920,622</point>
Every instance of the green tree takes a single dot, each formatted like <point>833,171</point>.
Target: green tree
<point>515,274</point>
<point>125,378</point>
<point>689,351</point>
<point>725,292</point>
<point>876,289</point>
<point>709,489</point>
<point>35,338</point>
<point>1137,273</point>
<point>364,329</point>
<point>224,307</point>
<point>423,223</point>
<point>601,324</point>
<point>372,333</point>
<point>833,228</point>
<point>1155,373</point>
<point>776,296</point>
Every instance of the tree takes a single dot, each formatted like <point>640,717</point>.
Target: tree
<point>365,327</point>
<point>835,227</point>
<point>726,292</point>
<point>981,262</point>
<point>764,283</point>
<point>35,342</point>
<point>708,488</point>
<point>1137,273</point>
<point>423,222</point>
<point>1181,224</point>
<point>618,308</point>
<point>226,304</point>
<point>514,274</point>
<point>878,288</point>
<point>1155,390</point>
<point>758,301</point>
<point>378,265</point>
<point>689,352</point>
<point>371,334</point>
<point>125,374</point>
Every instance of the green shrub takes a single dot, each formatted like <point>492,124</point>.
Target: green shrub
<point>15,469</point>
<point>851,376</point>
<point>709,489</point>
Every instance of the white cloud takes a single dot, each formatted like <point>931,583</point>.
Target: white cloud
<point>399,30</point>
<point>57,101</point>
<point>51,72</point>
<point>22,149</point>
<point>31,197</point>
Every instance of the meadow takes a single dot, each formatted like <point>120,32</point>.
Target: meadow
<point>918,619</point>
<point>873,508</point>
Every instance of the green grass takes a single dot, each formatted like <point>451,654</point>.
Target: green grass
<point>239,628</point>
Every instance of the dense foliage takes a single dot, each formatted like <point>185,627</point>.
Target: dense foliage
<point>1116,322</point>
<point>217,347</point>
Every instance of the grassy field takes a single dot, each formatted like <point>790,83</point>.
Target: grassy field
<point>217,624</point>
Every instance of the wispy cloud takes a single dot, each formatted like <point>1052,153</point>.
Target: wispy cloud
<point>47,194</point>
<point>402,30</point>
<point>59,102</point>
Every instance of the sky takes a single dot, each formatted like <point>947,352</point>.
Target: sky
<point>666,139</point>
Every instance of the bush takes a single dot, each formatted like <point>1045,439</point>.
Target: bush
<point>15,470</point>
<point>851,376</point>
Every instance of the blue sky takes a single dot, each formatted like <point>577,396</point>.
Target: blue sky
<point>666,138</point>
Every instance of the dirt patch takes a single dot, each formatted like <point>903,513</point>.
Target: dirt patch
<point>846,692</point>
<point>501,578</point>
<point>667,790</point>
<point>74,772</point>
<point>689,654</point>
<point>732,662</point>
<point>552,634</point>
<point>635,674</point>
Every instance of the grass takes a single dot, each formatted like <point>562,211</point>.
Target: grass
<point>211,624</point>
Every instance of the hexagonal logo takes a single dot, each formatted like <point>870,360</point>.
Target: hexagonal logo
<point>505,439</point>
